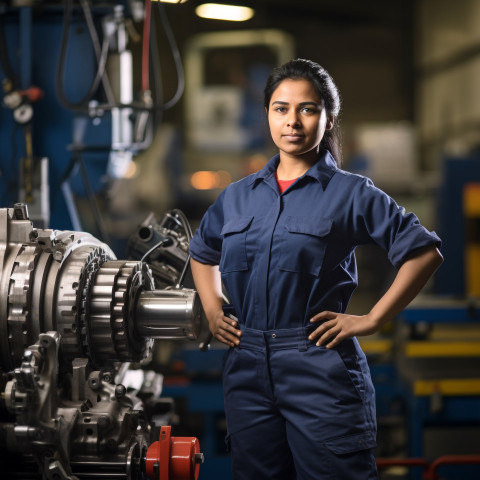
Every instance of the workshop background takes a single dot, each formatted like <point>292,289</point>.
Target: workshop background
<point>108,118</point>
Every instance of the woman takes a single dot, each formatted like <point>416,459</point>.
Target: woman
<point>299,400</point>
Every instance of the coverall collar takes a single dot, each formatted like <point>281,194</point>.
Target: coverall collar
<point>322,171</point>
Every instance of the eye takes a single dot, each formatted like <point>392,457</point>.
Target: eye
<point>280,109</point>
<point>308,110</point>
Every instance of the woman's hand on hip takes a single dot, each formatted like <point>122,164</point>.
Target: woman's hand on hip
<point>336,327</point>
<point>224,329</point>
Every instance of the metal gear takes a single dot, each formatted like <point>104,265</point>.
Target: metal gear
<point>74,276</point>
<point>127,346</point>
<point>109,299</point>
<point>19,294</point>
<point>92,264</point>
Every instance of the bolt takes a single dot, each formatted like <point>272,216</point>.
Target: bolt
<point>120,390</point>
<point>103,421</point>
<point>27,356</point>
<point>199,458</point>
<point>20,211</point>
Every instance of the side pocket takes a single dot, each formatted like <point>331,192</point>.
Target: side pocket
<point>349,355</point>
<point>351,443</point>
<point>352,453</point>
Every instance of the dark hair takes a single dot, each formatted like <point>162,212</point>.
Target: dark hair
<point>326,89</point>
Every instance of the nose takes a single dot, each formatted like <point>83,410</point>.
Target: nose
<point>292,120</point>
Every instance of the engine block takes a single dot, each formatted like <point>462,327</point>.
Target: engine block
<point>72,318</point>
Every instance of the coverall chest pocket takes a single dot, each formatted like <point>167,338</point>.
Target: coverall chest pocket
<point>304,243</point>
<point>234,247</point>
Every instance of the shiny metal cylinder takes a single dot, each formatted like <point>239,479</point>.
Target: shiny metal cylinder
<point>168,314</point>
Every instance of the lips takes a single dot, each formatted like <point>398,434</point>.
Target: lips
<point>292,136</point>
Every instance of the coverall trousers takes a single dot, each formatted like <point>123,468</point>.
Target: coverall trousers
<point>298,411</point>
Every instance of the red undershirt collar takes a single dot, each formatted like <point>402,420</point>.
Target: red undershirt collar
<point>284,184</point>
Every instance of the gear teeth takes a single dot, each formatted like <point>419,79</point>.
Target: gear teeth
<point>109,320</point>
<point>69,318</point>
<point>18,300</point>
<point>93,263</point>
<point>104,309</point>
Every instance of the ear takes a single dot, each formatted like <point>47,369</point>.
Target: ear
<point>330,123</point>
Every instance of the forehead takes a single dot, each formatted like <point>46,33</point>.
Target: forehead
<point>291,90</point>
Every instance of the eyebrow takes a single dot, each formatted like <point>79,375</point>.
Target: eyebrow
<point>300,104</point>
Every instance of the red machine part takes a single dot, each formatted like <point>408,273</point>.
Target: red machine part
<point>173,458</point>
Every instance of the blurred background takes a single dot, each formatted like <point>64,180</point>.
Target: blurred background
<point>114,111</point>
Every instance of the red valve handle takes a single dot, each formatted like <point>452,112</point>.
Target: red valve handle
<point>173,458</point>
<point>33,93</point>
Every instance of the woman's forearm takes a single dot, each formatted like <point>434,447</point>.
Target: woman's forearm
<point>334,327</point>
<point>208,284</point>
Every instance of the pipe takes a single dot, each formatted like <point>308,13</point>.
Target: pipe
<point>431,473</point>
<point>165,314</point>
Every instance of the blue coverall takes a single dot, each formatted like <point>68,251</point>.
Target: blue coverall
<point>295,410</point>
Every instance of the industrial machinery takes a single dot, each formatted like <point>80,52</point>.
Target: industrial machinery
<point>72,318</point>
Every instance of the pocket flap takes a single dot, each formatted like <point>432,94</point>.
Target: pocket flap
<point>351,443</point>
<point>236,225</point>
<point>317,226</point>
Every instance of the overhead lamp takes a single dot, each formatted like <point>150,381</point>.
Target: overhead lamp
<point>219,11</point>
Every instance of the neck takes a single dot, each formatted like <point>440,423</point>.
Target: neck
<point>294,167</point>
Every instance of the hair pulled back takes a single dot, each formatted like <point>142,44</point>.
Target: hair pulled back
<point>324,86</point>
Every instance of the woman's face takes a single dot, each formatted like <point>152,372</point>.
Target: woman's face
<point>297,119</point>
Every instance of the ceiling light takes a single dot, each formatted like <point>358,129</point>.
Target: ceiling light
<point>217,11</point>
<point>170,1</point>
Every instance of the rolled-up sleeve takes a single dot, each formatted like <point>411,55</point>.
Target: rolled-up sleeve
<point>378,218</point>
<point>206,244</point>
